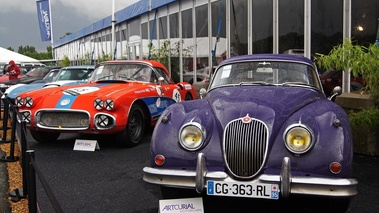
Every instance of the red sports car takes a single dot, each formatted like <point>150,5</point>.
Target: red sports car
<point>332,78</point>
<point>122,98</point>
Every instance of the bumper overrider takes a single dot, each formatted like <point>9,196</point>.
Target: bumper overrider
<point>331,187</point>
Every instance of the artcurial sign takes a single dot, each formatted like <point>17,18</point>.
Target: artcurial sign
<point>44,20</point>
<point>185,205</point>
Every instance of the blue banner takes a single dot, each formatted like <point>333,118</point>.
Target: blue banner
<point>44,21</point>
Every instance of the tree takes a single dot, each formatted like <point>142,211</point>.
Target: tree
<point>64,62</point>
<point>361,60</point>
<point>169,56</point>
<point>26,49</point>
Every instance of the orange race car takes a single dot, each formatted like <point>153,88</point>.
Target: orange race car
<point>122,98</point>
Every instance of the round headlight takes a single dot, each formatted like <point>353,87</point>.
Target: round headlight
<point>28,102</point>
<point>298,138</point>
<point>98,104</point>
<point>19,102</point>
<point>191,136</point>
<point>109,104</point>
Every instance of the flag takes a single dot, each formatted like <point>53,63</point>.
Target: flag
<point>43,12</point>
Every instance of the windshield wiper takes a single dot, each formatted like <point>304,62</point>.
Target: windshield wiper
<point>295,83</point>
<point>255,83</point>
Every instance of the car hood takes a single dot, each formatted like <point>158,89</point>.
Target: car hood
<point>27,80</point>
<point>13,91</point>
<point>271,104</point>
<point>110,90</point>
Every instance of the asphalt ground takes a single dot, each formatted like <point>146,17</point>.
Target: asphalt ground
<point>110,180</point>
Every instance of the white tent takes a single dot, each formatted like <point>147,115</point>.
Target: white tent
<point>7,55</point>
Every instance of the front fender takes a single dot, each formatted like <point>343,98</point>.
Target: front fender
<point>165,137</point>
<point>332,141</point>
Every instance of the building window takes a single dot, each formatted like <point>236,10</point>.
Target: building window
<point>216,13</point>
<point>134,27</point>
<point>262,26</point>
<point>238,28</point>
<point>144,30</point>
<point>327,25</point>
<point>187,23</point>
<point>153,29</point>
<point>291,25</point>
<point>174,25</point>
<point>162,27</point>
<point>202,21</point>
<point>364,23</point>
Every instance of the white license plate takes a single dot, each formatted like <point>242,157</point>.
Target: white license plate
<point>233,189</point>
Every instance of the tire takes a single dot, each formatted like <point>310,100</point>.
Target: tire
<point>45,137</point>
<point>355,86</point>
<point>188,97</point>
<point>135,128</point>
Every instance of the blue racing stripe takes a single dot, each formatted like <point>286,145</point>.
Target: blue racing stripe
<point>66,101</point>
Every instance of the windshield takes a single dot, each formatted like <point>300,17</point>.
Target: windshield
<point>73,74</point>
<point>38,72</point>
<point>125,72</point>
<point>49,77</point>
<point>268,73</point>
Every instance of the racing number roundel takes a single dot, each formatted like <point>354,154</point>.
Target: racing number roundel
<point>176,95</point>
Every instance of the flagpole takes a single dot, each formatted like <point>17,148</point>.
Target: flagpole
<point>113,32</point>
<point>51,27</point>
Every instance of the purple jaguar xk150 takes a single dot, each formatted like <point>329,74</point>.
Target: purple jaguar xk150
<point>263,129</point>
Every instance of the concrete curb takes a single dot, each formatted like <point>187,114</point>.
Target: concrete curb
<point>4,186</point>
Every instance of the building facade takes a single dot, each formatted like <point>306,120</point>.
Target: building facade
<point>200,33</point>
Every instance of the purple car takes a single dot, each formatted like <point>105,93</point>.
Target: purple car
<point>263,129</point>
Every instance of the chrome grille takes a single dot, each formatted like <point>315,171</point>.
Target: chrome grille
<point>245,146</point>
<point>71,120</point>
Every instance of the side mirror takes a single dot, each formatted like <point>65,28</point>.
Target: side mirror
<point>336,92</point>
<point>203,93</point>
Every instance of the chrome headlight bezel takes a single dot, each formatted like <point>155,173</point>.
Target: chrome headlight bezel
<point>109,104</point>
<point>298,138</point>
<point>98,104</point>
<point>19,101</point>
<point>28,102</point>
<point>194,131</point>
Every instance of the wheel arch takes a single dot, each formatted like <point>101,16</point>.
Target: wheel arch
<point>146,111</point>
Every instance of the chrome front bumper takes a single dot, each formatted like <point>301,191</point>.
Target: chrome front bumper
<point>332,187</point>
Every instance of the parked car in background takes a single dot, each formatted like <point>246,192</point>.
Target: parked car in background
<point>34,74</point>
<point>333,78</point>
<point>202,74</point>
<point>263,130</point>
<point>122,98</point>
<point>5,78</point>
<point>26,66</point>
<point>56,77</point>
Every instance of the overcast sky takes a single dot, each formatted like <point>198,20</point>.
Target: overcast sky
<point>19,23</point>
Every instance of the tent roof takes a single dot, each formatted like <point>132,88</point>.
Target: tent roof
<point>7,55</point>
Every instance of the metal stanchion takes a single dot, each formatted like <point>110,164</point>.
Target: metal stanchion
<point>5,121</point>
<point>32,196</point>
<point>18,194</point>
<point>11,157</point>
